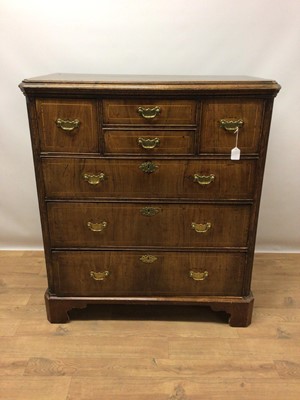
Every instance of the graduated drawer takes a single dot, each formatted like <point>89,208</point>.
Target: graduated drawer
<point>151,142</point>
<point>219,119</point>
<point>67,125</point>
<point>198,179</point>
<point>149,112</point>
<point>138,224</point>
<point>108,273</point>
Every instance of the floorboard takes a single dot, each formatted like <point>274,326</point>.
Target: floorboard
<point>143,353</point>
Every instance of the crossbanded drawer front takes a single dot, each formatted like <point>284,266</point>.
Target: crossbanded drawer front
<point>149,112</point>
<point>123,224</point>
<point>68,125</point>
<point>149,142</point>
<point>205,179</point>
<point>221,117</point>
<point>92,273</point>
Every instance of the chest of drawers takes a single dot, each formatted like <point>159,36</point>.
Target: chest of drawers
<point>140,201</point>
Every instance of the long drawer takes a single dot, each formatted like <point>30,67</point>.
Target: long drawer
<point>197,179</point>
<point>92,273</point>
<point>125,224</point>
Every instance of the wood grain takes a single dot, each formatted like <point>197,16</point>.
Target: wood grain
<point>125,141</point>
<point>216,139</point>
<point>172,112</point>
<point>84,138</point>
<point>129,276</point>
<point>127,226</point>
<point>233,180</point>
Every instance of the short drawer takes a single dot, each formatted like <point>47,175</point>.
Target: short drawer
<point>149,112</point>
<point>219,117</point>
<point>67,125</point>
<point>151,142</point>
<point>77,178</point>
<point>108,273</point>
<point>167,225</point>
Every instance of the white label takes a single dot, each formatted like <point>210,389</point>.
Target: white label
<point>235,153</point>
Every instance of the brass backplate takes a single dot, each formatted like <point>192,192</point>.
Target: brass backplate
<point>231,124</point>
<point>148,259</point>
<point>149,211</point>
<point>148,167</point>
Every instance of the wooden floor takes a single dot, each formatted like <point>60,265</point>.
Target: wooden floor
<point>143,353</point>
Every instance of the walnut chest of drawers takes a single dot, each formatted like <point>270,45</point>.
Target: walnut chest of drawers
<point>140,201</point>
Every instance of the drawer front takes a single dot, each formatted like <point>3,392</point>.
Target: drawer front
<point>175,142</point>
<point>92,273</point>
<point>204,179</point>
<point>172,225</point>
<point>214,138</point>
<point>67,125</point>
<point>149,112</point>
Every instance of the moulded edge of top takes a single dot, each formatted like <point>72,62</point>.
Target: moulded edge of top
<point>71,83</point>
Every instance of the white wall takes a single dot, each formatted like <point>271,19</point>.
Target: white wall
<point>232,37</point>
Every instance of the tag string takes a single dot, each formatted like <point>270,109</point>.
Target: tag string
<point>236,136</point>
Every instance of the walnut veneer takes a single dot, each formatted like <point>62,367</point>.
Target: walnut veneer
<point>140,201</point>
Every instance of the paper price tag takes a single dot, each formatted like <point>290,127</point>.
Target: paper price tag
<point>235,153</point>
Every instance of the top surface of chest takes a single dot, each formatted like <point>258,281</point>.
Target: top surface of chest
<point>87,83</point>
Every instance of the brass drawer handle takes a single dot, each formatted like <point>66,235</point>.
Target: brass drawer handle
<point>148,113</point>
<point>99,276</point>
<point>97,226</point>
<point>94,179</point>
<point>148,143</point>
<point>149,211</point>
<point>148,259</point>
<point>148,167</point>
<point>67,124</point>
<point>201,228</point>
<point>198,276</point>
<point>231,124</point>
<point>204,179</point>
